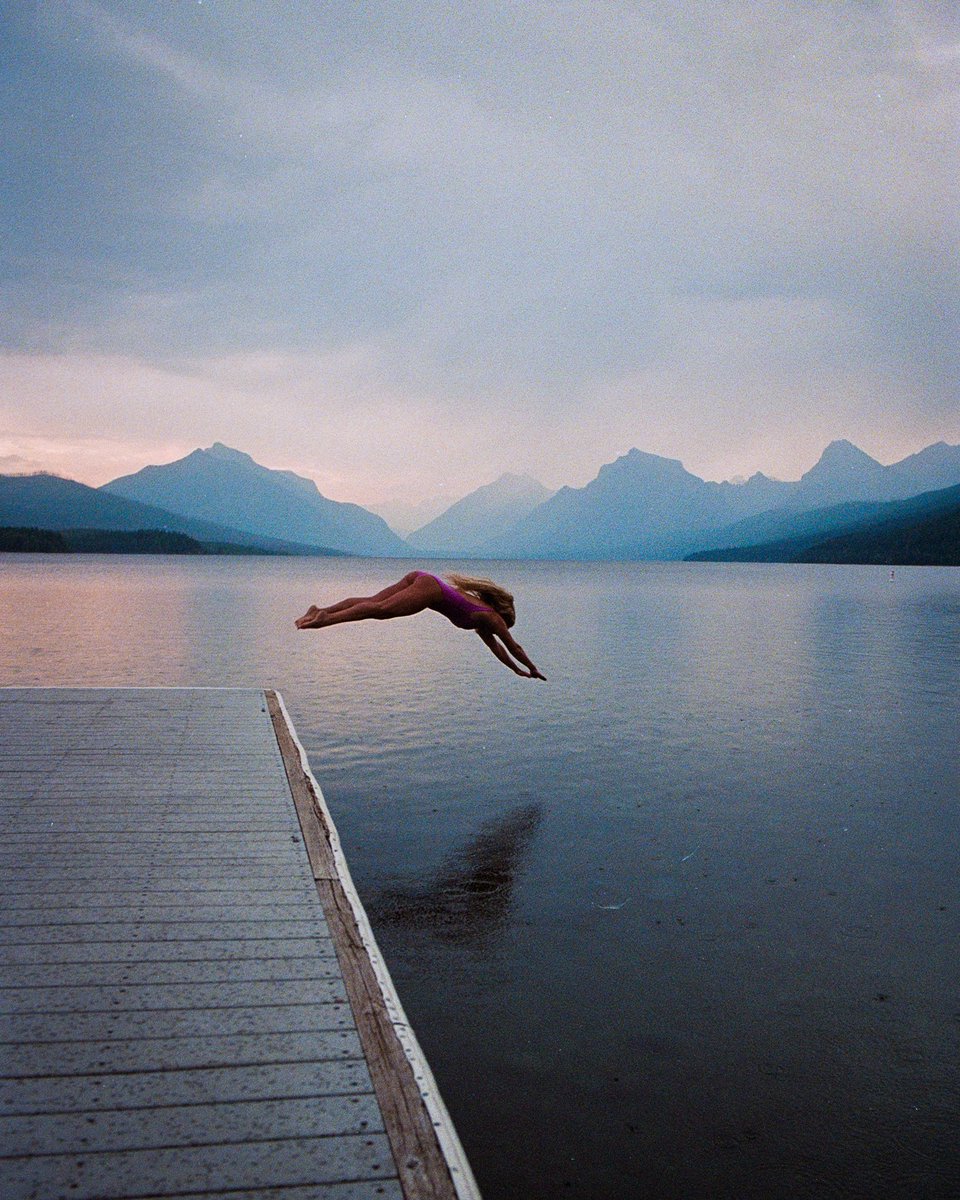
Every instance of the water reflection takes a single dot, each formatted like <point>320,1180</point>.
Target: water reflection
<point>469,897</point>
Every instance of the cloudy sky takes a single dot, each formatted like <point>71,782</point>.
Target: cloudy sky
<point>402,247</point>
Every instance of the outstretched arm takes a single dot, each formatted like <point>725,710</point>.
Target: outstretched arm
<point>493,637</point>
<point>519,653</point>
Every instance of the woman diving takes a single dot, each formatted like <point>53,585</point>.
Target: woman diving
<point>471,603</point>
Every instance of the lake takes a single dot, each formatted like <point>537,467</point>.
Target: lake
<point>681,921</point>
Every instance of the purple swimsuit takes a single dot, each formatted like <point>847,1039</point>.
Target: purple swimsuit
<point>455,607</point>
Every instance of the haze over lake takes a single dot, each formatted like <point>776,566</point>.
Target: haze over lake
<point>681,921</point>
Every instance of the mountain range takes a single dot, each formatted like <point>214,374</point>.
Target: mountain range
<point>920,530</point>
<point>641,506</point>
<point>228,488</point>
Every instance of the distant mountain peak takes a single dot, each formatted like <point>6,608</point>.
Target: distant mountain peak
<point>643,458</point>
<point>638,465</point>
<point>481,515</point>
<point>636,456</point>
<point>226,453</point>
<point>841,463</point>
<point>843,453</point>
<point>937,452</point>
<point>511,484</point>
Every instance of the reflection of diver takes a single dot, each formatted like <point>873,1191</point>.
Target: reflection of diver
<point>471,893</point>
<point>472,603</point>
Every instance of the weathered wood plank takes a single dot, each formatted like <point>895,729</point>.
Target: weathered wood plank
<point>163,876</point>
<point>183,994</point>
<point>387,1189</point>
<point>237,950</point>
<point>163,931</point>
<point>116,893</point>
<point>189,1125</point>
<point>184,1050</point>
<point>169,1171</point>
<point>218,1084</point>
<point>182,1022</point>
<point>425,1173</point>
<point>309,811</point>
<point>219,971</point>
<point>164,828</point>
<point>106,914</point>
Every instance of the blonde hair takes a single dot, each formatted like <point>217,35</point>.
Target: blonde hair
<point>487,592</point>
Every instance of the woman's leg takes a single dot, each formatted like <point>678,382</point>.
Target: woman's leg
<point>400,602</point>
<point>387,591</point>
<point>352,601</point>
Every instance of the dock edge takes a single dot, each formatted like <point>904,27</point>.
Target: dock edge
<point>450,1149</point>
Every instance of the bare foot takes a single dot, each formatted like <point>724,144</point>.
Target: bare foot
<point>306,621</point>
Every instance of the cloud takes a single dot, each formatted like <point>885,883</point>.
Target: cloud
<point>111,35</point>
<point>583,225</point>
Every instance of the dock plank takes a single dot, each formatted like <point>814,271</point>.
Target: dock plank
<point>217,1084</point>
<point>236,949</point>
<point>180,1022</point>
<point>273,993</point>
<point>260,970</point>
<point>185,1049</point>
<point>189,1125</point>
<point>218,1169</point>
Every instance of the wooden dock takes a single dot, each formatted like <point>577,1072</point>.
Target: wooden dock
<point>191,1000</point>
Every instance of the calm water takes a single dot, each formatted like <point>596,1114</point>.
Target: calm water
<point>682,921</point>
